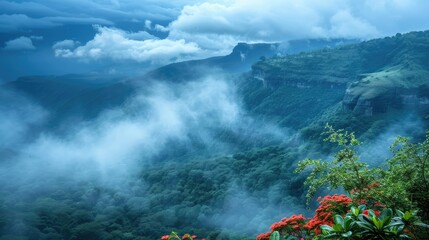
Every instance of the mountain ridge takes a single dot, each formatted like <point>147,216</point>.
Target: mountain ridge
<point>370,73</point>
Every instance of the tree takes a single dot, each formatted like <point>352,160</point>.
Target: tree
<point>402,183</point>
<point>345,171</point>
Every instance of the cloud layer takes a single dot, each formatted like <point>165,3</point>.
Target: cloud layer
<point>213,28</point>
<point>216,24</point>
<point>168,31</point>
<point>116,44</point>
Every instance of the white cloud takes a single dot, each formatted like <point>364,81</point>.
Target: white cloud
<point>65,44</point>
<point>21,43</point>
<point>160,28</point>
<point>148,24</point>
<point>344,25</point>
<point>140,35</point>
<point>212,25</point>
<point>116,44</point>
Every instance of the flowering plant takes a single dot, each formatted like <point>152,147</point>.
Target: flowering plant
<point>175,235</point>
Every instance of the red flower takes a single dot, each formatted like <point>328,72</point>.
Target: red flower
<point>264,236</point>
<point>329,206</point>
<point>165,237</point>
<point>299,227</point>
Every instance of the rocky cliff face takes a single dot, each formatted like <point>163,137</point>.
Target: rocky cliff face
<point>378,75</point>
<point>394,99</point>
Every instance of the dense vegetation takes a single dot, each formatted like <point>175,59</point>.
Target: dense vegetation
<point>362,87</point>
<point>206,194</point>
<point>401,185</point>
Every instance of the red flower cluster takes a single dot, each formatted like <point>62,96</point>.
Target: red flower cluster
<point>294,223</point>
<point>287,226</point>
<point>301,227</point>
<point>329,206</point>
<point>264,236</point>
<point>174,236</point>
<point>188,237</point>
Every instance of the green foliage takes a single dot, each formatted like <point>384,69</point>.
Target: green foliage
<point>360,225</point>
<point>405,182</point>
<point>393,62</point>
<point>286,105</point>
<point>182,196</point>
<point>402,184</point>
<point>342,228</point>
<point>344,171</point>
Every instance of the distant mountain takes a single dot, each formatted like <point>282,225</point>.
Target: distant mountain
<point>240,60</point>
<point>296,84</point>
<point>72,97</point>
<point>76,96</point>
<point>355,86</point>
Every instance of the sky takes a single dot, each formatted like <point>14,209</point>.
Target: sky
<point>43,37</point>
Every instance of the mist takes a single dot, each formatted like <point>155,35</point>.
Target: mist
<point>376,151</point>
<point>163,122</point>
<point>19,117</point>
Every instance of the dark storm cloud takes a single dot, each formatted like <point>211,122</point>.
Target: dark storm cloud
<point>16,22</point>
<point>18,15</point>
<point>19,22</point>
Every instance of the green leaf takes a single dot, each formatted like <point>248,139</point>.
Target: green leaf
<point>348,223</point>
<point>361,208</point>
<point>366,226</point>
<point>355,211</point>
<point>347,234</point>
<point>337,227</point>
<point>326,228</point>
<point>275,235</point>
<point>339,220</point>
<point>407,215</point>
<point>420,224</point>
<point>292,238</point>
<point>405,236</point>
